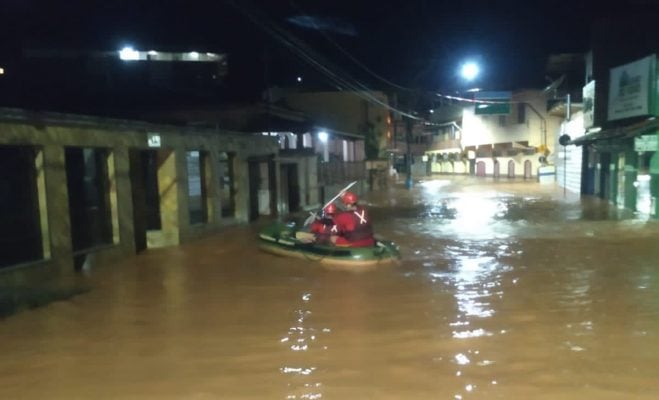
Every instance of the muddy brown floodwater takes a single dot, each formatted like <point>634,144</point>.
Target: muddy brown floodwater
<point>506,290</point>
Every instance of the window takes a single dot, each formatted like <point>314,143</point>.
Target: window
<point>306,141</point>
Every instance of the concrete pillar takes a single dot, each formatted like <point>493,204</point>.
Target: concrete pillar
<point>213,203</point>
<point>241,174</point>
<point>40,169</point>
<point>114,212</point>
<point>59,222</point>
<point>169,186</point>
<point>121,197</point>
<point>281,207</point>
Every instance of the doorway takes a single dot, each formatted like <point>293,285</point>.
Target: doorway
<point>145,195</point>
<point>605,176</point>
<point>290,186</point>
<point>88,187</point>
<point>227,186</point>
<point>528,169</point>
<point>480,168</point>
<point>20,232</point>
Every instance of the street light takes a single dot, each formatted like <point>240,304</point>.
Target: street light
<point>470,70</point>
<point>129,54</point>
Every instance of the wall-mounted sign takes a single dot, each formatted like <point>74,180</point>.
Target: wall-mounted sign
<point>646,143</point>
<point>589,105</point>
<point>153,140</point>
<point>488,103</point>
<point>630,89</point>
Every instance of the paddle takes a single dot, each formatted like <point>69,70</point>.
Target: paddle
<point>313,214</point>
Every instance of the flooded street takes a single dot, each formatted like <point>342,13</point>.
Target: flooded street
<point>506,290</point>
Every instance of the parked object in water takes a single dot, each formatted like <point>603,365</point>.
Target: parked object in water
<point>280,239</point>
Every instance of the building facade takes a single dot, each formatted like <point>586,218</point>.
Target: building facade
<point>344,114</point>
<point>514,140</point>
<point>619,150</point>
<point>79,190</point>
<point>621,103</point>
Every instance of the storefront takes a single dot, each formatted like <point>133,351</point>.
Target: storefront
<point>620,162</point>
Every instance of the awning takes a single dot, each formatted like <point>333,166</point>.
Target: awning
<point>520,146</point>
<point>650,125</point>
<point>445,151</point>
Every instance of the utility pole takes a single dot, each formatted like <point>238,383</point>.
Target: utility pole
<point>409,127</point>
<point>409,138</point>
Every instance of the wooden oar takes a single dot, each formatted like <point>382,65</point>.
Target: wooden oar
<point>313,214</point>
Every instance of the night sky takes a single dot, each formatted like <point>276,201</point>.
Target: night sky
<point>418,43</point>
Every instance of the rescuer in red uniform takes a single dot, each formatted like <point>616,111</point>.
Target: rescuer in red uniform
<point>325,227</point>
<point>353,225</point>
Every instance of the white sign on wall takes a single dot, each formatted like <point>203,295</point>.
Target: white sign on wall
<point>589,105</point>
<point>629,88</point>
<point>646,143</point>
<point>153,140</point>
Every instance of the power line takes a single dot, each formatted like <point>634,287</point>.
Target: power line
<point>476,101</point>
<point>295,45</point>
<point>350,56</point>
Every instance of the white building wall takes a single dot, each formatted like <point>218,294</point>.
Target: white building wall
<point>568,160</point>
<point>485,129</point>
<point>449,167</point>
<point>478,130</point>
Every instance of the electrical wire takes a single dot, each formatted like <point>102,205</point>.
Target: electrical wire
<point>350,56</point>
<point>298,47</point>
<point>476,101</point>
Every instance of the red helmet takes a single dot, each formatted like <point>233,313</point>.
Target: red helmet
<point>330,209</point>
<point>349,198</point>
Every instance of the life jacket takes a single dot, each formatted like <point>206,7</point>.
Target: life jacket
<point>323,231</point>
<point>357,226</point>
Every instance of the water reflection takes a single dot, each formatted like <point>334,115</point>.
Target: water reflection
<point>506,291</point>
<point>302,337</point>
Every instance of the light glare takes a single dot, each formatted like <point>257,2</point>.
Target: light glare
<point>470,71</point>
<point>129,54</point>
<point>323,136</point>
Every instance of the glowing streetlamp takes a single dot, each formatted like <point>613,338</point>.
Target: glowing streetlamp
<point>469,70</point>
<point>129,54</point>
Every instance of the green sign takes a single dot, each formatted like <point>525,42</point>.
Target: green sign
<point>632,89</point>
<point>646,143</point>
<point>492,103</point>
